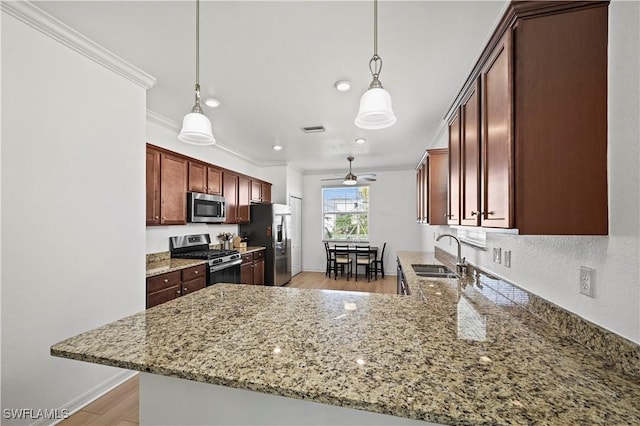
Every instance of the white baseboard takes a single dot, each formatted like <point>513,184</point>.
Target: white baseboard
<point>88,397</point>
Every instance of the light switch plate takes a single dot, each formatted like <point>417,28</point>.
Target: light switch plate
<point>497,255</point>
<point>507,258</point>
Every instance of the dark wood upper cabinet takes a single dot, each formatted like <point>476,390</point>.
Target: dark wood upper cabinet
<point>541,83</point>
<point>173,189</point>
<point>169,176</point>
<point>437,168</point>
<point>230,192</point>
<point>470,159</point>
<point>431,187</point>
<point>153,187</point>
<point>244,199</point>
<point>197,177</point>
<point>266,192</point>
<point>256,191</point>
<point>453,210</point>
<point>204,178</point>
<point>214,181</point>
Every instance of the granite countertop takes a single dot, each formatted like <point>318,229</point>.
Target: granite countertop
<point>448,354</point>
<point>161,263</point>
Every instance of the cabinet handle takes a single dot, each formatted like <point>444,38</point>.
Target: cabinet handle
<point>448,216</point>
<point>166,280</point>
<point>476,213</point>
<point>157,217</point>
<point>178,292</point>
<point>488,213</point>
<point>163,217</point>
<point>184,290</point>
<point>195,272</point>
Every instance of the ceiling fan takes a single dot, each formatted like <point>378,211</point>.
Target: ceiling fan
<point>351,179</point>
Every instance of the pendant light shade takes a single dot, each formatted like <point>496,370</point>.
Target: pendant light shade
<point>375,111</point>
<point>196,127</point>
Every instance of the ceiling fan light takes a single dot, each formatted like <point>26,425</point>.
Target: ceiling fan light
<point>350,179</point>
<point>196,129</point>
<point>375,111</point>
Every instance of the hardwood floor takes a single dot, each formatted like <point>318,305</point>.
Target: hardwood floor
<point>320,281</point>
<point>119,407</point>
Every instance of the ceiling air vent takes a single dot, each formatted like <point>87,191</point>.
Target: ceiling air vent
<point>313,129</point>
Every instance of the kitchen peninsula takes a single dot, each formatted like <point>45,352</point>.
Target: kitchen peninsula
<point>449,353</point>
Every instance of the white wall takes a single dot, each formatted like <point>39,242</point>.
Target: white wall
<point>391,218</point>
<point>72,207</point>
<point>549,265</point>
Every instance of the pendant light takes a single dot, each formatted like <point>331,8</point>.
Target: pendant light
<point>196,127</point>
<point>375,105</point>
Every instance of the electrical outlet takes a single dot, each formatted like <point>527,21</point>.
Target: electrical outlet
<point>507,258</point>
<point>497,255</point>
<point>586,281</point>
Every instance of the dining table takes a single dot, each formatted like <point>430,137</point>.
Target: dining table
<point>351,248</point>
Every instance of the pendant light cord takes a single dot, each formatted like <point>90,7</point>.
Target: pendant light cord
<point>375,28</point>
<point>196,106</point>
<point>197,44</point>
<point>375,64</point>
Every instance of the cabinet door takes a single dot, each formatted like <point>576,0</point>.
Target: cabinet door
<point>246,273</point>
<point>173,190</point>
<point>453,212</point>
<point>497,137</point>
<point>258,272</point>
<point>193,285</point>
<point>162,296</point>
<point>256,191</point>
<point>230,192</point>
<point>244,194</point>
<point>153,187</point>
<point>436,193</point>
<point>266,192</point>
<point>470,159</point>
<point>214,181</point>
<point>197,177</point>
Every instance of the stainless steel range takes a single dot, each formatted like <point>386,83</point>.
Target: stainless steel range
<point>224,265</point>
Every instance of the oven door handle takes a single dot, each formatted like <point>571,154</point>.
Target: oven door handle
<point>225,265</point>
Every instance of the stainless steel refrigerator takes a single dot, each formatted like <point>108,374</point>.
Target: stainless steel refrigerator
<point>271,227</point>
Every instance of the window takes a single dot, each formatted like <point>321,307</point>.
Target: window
<point>345,213</point>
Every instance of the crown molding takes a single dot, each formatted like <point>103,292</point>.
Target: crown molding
<point>40,20</point>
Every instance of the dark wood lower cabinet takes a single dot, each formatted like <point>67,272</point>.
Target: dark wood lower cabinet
<point>166,287</point>
<point>252,268</point>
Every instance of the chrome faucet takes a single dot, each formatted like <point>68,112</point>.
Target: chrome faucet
<point>461,264</point>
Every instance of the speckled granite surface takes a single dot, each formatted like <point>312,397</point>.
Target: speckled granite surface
<point>616,351</point>
<point>161,263</point>
<point>448,354</point>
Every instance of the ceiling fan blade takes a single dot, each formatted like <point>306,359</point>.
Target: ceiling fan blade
<point>369,179</point>
<point>368,175</point>
<point>333,178</point>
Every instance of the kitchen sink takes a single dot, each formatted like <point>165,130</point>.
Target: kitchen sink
<point>434,271</point>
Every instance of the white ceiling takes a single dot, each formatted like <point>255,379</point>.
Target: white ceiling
<point>273,65</point>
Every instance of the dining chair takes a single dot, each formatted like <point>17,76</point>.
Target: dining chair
<point>342,259</point>
<point>364,258</point>
<point>378,262</point>
<point>330,258</point>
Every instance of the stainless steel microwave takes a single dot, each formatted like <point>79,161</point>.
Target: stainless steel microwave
<point>205,208</point>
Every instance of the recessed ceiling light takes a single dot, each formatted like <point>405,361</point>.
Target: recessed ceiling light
<point>360,140</point>
<point>212,102</point>
<point>277,147</point>
<point>342,85</point>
